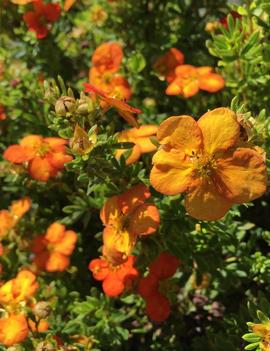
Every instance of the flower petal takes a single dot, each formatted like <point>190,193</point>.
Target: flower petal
<point>57,262</point>
<point>211,82</point>
<point>66,245</point>
<point>181,132</point>
<point>18,154</point>
<point>243,175</point>
<point>172,173</point>
<point>205,203</point>
<point>40,169</point>
<point>220,129</point>
<point>144,220</point>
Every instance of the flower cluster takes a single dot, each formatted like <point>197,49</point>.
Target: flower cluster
<point>185,79</point>
<point>44,157</point>
<point>126,218</point>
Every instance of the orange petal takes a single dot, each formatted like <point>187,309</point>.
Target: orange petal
<point>6,293</point>
<point>68,4</point>
<point>164,266</point>
<point>113,287</point>
<point>172,173</point>
<point>190,88</point>
<point>55,232</point>
<point>133,157</point>
<point>185,71</point>
<point>40,169</point>
<point>108,57</point>
<point>58,159</point>
<point>33,141</point>
<point>24,285</point>
<point>57,144</point>
<point>18,154</point>
<point>133,198</point>
<point>117,245</point>
<point>175,87</point>
<point>67,243</point>
<point>243,175</point>
<point>99,268</point>
<point>220,129</point>
<point>40,327</point>
<point>20,207</point>
<point>205,202</point>
<point>13,329</point>
<point>7,221</point>
<point>144,220</point>
<point>211,82</point>
<point>57,262</point>
<point>204,70</point>
<point>181,132</point>
<point>110,212</point>
<point>143,131</point>
<point>38,244</point>
<point>158,307</point>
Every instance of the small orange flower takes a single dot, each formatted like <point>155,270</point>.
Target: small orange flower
<point>13,329</point>
<point>115,85</point>
<point>108,57</point>
<point>167,63</point>
<point>127,217</point>
<point>45,156</point>
<point>189,80</point>
<point>141,138</point>
<point>40,327</point>
<point>208,160</point>
<point>8,219</point>
<point>126,111</point>
<point>158,306</point>
<point>115,279</point>
<point>54,248</point>
<point>20,288</point>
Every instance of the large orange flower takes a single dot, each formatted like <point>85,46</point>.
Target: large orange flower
<point>21,288</point>
<point>127,217</point>
<point>189,80</point>
<point>54,248</point>
<point>141,138</point>
<point>107,57</point>
<point>45,156</point>
<point>208,160</point>
<point>167,63</point>
<point>126,111</point>
<point>13,329</point>
<point>114,278</point>
<point>8,219</point>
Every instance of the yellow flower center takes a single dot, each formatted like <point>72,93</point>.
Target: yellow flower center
<point>204,164</point>
<point>44,148</point>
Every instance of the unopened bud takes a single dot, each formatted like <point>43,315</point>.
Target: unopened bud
<point>15,348</point>
<point>45,346</point>
<point>42,309</point>
<point>149,102</point>
<point>85,106</point>
<point>64,105</point>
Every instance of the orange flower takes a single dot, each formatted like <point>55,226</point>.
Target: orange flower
<point>126,111</point>
<point>107,57</point>
<point>127,217</point>
<point>112,84</point>
<point>115,279</point>
<point>45,156</point>
<point>141,138</point>
<point>189,80</point>
<point>8,219</point>
<point>54,248</point>
<point>157,304</point>
<point>20,288</point>
<point>167,63</point>
<point>13,329</point>
<point>207,160</point>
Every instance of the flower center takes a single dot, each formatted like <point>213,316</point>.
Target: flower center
<point>204,164</point>
<point>44,148</point>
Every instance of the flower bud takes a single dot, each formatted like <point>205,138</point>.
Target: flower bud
<point>42,309</point>
<point>64,105</point>
<point>85,106</point>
